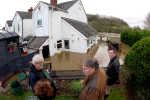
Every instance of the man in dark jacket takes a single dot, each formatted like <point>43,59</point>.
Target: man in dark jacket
<point>37,71</point>
<point>94,82</point>
<point>112,71</point>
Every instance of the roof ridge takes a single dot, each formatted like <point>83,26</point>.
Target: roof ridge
<point>68,1</point>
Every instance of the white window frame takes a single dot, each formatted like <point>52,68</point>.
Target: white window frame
<point>39,13</point>
<point>58,44</point>
<point>64,44</point>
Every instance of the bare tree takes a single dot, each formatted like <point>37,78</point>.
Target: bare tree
<point>147,21</point>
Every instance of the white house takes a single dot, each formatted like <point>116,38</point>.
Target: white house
<point>61,27</point>
<point>22,23</point>
<point>8,25</point>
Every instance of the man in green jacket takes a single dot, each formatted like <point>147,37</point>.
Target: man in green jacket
<point>37,71</point>
<point>94,82</point>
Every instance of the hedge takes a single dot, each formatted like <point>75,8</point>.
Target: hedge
<point>138,62</point>
<point>130,36</point>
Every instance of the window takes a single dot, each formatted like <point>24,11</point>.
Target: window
<point>59,44</point>
<point>39,19</point>
<point>18,26</point>
<point>14,27</point>
<point>88,43</point>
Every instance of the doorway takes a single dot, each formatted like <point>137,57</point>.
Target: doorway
<point>66,44</point>
<point>45,51</point>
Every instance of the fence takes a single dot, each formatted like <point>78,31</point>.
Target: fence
<point>70,74</point>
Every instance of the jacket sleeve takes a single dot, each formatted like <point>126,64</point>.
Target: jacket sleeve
<point>32,79</point>
<point>93,95</point>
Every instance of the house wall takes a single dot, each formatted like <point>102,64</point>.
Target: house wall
<point>17,19</point>
<point>43,29</point>
<point>77,40</point>
<point>77,12</point>
<point>27,26</point>
<point>10,29</point>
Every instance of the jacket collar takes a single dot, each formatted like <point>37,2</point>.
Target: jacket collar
<point>33,69</point>
<point>111,60</point>
<point>90,77</point>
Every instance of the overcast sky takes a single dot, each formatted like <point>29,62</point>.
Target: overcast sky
<point>131,11</point>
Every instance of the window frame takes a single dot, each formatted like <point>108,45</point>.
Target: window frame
<point>39,13</point>
<point>59,42</point>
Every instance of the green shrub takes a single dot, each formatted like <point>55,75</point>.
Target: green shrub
<point>130,37</point>
<point>138,62</point>
<point>75,87</point>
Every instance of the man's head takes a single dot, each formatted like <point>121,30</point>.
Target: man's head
<point>89,66</point>
<point>112,52</point>
<point>37,61</point>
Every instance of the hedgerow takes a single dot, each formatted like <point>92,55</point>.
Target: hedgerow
<point>138,62</point>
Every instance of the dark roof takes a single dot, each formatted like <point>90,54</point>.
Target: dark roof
<point>25,15</point>
<point>27,38</point>
<point>64,5</point>
<point>9,22</point>
<point>3,28</point>
<point>8,35</point>
<point>84,28</point>
<point>37,42</point>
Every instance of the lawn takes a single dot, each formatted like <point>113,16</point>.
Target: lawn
<point>28,94</point>
<point>114,95</point>
<point>117,94</point>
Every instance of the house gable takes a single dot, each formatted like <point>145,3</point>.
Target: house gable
<point>9,22</point>
<point>83,28</point>
<point>25,15</point>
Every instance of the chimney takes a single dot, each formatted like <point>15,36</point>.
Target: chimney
<point>30,10</point>
<point>54,2</point>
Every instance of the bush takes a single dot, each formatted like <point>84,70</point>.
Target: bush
<point>75,87</point>
<point>138,62</point>
<point>130,37</point>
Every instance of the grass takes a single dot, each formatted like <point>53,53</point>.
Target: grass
<point>66,98</point>
<point>22,97</point>
<point>28,94</point>
<point>117,94</point>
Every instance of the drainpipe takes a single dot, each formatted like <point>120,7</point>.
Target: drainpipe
<point>22,28</point>
<point>50,32</point>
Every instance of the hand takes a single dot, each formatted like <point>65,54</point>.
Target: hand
<point>82,82</point>
<point>47,71</point>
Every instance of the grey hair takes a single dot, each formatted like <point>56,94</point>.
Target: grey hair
<point>36,58</point>
<point>91,63</point>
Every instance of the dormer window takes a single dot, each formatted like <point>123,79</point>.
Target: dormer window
<point>39,19</point>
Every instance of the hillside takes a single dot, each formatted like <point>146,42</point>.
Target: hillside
<point>106,23</point>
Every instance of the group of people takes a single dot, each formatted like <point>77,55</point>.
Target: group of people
<point>97,83</point>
